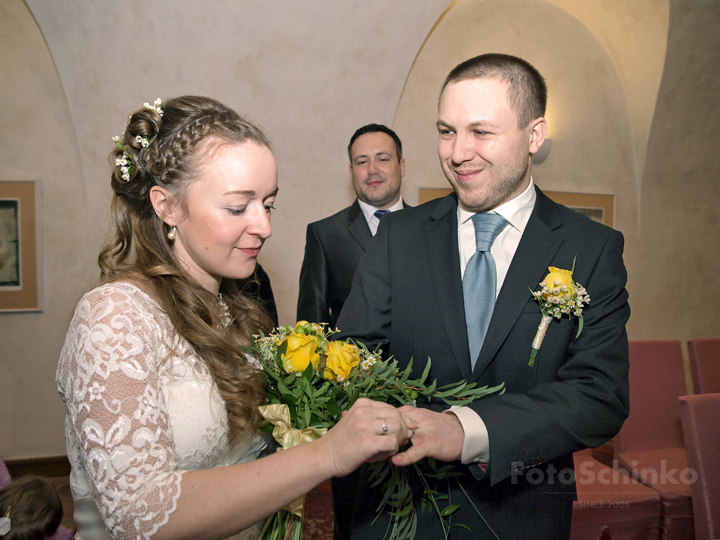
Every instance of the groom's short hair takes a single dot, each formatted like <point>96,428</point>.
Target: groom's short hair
<point>527,93</point>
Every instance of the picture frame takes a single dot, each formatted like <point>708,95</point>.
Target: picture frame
<point>20,246</point>
<point>600,208</point>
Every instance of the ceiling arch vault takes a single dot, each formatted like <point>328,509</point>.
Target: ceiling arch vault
<point>603,63</point>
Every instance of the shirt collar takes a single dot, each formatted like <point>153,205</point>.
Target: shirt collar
<point>517,211</point>
<point>368,210</point>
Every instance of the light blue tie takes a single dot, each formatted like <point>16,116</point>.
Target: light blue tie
<point>480,281</point>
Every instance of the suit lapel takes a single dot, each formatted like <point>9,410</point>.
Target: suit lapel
<point>358,227</point>
<point>442,249</point>
<point>538,246</point>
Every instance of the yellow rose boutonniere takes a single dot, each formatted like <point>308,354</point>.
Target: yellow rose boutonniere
<point>341,359</point>
<point>302,348</point>
<point>558,295</point>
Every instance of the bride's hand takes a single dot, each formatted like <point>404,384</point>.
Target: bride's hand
<point>369,431</point>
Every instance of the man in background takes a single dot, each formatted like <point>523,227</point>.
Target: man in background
<point>335,245</point>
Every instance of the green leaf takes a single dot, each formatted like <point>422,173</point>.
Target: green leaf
<point>288,399</point>
<point>449,510</point>
<point>249,350</point>
<point>580,326</point>
<point>450,392</point>
<point>308,373</point>
<point>333,408</point>
<point>426,372</point>
<point>283,388</point>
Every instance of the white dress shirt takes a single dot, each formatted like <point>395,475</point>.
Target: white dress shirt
<point>369,213</point>
<point>476,445</point>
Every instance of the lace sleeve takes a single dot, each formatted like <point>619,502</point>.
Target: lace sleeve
<point>116,413</point>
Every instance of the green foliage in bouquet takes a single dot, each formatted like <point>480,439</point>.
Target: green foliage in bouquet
<point>311,380</point>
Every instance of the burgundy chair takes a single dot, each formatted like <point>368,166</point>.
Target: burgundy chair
<point>611,504</point>
<point>701,425</point>
<point>650,445</point>
<point>705,364</point>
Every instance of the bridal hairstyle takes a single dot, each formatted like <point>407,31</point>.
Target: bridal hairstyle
<point>171,150</point>
<point>33,507</point>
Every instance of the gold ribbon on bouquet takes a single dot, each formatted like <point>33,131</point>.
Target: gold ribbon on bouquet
<point>287,436</point>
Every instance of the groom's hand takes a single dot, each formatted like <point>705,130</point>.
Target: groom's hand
<point>439,436</point>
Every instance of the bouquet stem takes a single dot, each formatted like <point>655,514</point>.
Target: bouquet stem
<point>282,525</point>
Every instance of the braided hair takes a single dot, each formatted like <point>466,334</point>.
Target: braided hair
<point>169,147</point>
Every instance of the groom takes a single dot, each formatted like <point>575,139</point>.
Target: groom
<point>423,291</point>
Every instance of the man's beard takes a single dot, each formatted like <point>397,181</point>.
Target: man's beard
<point>500,188</point>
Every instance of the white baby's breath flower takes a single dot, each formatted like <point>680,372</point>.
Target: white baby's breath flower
<point>157,106</point>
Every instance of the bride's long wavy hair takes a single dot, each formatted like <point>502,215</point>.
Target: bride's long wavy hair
<point>170,151</point>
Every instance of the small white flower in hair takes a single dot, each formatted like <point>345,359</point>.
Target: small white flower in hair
<point>157,106</point>
<point>143,141</point>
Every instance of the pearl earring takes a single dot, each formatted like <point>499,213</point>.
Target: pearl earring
<point>171,234</point>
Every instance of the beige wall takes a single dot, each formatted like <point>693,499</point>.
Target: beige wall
<point>310,73</point>
<point>677,287</point>
<point>38,142</point>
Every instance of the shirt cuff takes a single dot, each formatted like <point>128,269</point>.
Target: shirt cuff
<point>476,445</point>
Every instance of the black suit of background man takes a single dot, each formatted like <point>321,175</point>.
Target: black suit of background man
<point>335,245</point>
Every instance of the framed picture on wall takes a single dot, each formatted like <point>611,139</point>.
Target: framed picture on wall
<point>20,245</point>
<point>600,208</point>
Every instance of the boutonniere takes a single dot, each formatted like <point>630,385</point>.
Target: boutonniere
<point>558,295</point>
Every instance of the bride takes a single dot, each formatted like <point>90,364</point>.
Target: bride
<point>162,420</point>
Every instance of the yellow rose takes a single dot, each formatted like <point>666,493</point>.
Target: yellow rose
<point>301,351</point>
<point>341,359</point>
<point>563,277</point>
<point>304,327</point>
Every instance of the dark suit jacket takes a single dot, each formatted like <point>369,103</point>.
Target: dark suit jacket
<point>333,249</point>
<point>258,287</point>
<point>407,296</point>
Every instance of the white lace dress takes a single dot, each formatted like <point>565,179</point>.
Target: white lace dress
<point>141,410</point>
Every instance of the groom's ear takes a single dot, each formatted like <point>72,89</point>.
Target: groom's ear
<point>537,133</point>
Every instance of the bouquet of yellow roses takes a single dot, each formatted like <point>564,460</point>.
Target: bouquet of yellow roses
<point>311,380</point>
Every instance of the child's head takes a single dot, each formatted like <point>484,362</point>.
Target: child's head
<point>32,508</point>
